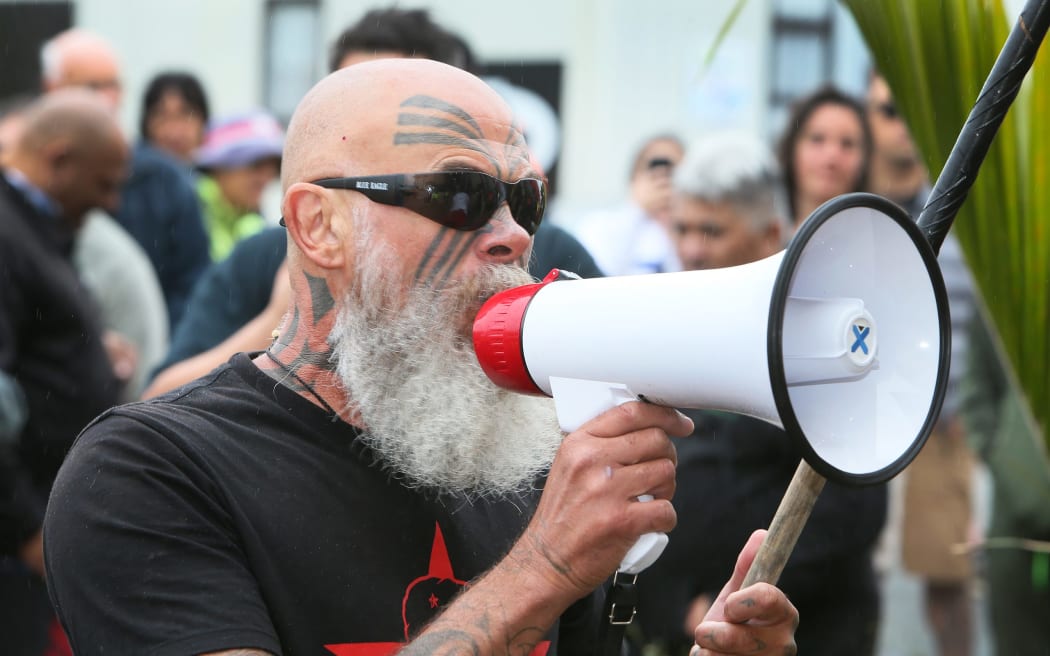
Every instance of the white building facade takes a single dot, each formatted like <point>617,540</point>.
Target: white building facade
<point>628,68</point>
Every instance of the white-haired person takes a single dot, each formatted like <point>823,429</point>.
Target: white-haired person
<point>240,157</point>
<point>727,210</point>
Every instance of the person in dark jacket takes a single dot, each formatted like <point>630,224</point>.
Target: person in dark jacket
<point>68,158</point>
<point>733,472</point>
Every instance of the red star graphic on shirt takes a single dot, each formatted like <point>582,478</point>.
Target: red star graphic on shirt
<point>440,574</point>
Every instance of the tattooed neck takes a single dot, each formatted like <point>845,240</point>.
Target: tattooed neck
<point>297,384</point>
<point>300,357</point>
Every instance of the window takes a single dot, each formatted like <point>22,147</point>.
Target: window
<point>814,42</point>
<point>24,27</point>
<point>292,41</point>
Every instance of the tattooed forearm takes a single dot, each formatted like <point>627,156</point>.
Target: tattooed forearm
<point>438,642</point>
<point>558,564</point>
<point>458,641</point>
<point>522,643</point>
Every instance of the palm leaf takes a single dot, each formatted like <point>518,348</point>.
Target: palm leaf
<point>935,56</point>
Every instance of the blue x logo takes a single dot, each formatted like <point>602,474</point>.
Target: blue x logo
<point>861,334</point>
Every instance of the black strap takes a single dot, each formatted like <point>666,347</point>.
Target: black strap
<point>621,604</point>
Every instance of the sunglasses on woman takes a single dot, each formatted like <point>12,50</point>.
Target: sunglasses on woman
<point>461,200</point>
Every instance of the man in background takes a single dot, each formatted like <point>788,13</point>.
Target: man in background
<point>938,484</point>
<point>733,471</point>
<point>68,158</point>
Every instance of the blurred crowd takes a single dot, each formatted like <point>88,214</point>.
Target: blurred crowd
<point>131,265</point>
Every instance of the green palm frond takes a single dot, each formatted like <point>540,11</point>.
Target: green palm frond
<point>936,56</point>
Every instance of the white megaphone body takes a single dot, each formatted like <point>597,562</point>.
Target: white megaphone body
<point>842,339</point>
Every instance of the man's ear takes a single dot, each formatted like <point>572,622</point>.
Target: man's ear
<point>58,157</point>
<point>312,223</point>
<point>57,153</point>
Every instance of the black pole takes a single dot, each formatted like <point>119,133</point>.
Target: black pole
<point>1000,89</point>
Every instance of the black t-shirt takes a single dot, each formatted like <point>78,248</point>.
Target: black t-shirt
<point>233,513</point>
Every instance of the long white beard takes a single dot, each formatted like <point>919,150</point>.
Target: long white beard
<point>430,413</point>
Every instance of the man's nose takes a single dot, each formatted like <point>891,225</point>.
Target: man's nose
<point>502,240</point>
<point>693,248</point>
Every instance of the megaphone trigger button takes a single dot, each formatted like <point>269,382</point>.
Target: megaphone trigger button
<point>560,274</point>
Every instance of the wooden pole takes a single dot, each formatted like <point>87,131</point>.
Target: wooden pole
<point>786,526</point>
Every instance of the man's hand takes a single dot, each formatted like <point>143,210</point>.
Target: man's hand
<point>589,514</point>
<point>756,620</point>
<point>586,520</point>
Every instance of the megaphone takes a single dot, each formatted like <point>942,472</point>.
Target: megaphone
<point>842,339</point>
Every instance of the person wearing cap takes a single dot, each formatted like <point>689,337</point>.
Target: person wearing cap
<point>240,156</point>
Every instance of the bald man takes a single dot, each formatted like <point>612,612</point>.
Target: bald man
<point>68,158</point>
<point>78,58</point>
<point>361,487</point>
<point>159,204</point>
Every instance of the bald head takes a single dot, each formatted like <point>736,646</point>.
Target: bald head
<point>376,115</point>
<point>70,146</point>
<point>388,117</point>
<point>77,116</point>
<point>78,58</point>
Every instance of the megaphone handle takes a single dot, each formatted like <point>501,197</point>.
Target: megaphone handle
<point>786,526</point>
<point>577,401</point>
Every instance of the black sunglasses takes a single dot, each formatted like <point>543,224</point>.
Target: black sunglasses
<point>461,200</point>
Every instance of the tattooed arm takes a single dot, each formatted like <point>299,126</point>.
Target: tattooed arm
<point>509,611</point>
